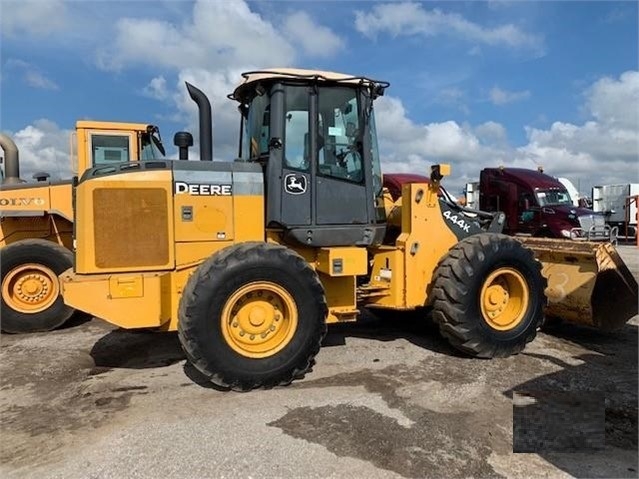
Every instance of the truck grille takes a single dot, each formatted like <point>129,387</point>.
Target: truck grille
<point>588,221</point>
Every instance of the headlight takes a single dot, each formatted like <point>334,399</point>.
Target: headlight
<point>566,233</point>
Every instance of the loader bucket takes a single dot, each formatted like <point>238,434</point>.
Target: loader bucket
<point>588,283</point>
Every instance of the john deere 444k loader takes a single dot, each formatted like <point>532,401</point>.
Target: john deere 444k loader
<point>250,259</point>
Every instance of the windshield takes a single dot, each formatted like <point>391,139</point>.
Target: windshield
<point>377,169</point>
<point>553,197</point>
<point>340,141</point>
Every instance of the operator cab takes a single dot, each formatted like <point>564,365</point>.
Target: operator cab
<point>314,133</point>
<point>116,143</point>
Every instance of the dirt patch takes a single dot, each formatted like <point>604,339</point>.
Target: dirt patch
<point>431,447</point>
<point>46,394</point>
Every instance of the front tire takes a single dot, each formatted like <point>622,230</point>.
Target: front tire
<point>31,293</point>
<point>489,296</point>
<point>253,315</point>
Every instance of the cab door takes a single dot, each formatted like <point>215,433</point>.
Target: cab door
<point>296,158</point>
<point>341,187</point>
<point>529,218</point>
<point>319,189</point>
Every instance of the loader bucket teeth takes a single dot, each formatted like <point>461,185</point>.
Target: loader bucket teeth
<point>588,283</point>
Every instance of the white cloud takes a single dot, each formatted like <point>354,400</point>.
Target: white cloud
<point>210,44</point>
<point>33,17</point>
<point>36,79</point>
<point>316,40</point>
<point>217,35</point>
<point>616,102</point>
<point>226,119</point>
<point>157,88</point>
<point>214,43</point>
<point>211,47</point>
<point>603,150</point>
<point>413,19</point>
<point>31,75</point>
<point>206,34</point>
<point>491,132</point>
<point>500,96</point>
<point>43,146</point>
<point>407,146</point>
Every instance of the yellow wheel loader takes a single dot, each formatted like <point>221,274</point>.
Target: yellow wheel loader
<point>249,260</point>
<point>36,221</point>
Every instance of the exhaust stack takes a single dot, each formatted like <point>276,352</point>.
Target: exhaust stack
<point>206,122</point>
<point>11,162</point>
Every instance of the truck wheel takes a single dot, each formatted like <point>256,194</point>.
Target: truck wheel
<point>489,296</point>
<point>253,315</point>
<point>31,296</point>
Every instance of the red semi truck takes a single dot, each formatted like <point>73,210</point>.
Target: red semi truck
<point>536,204</point>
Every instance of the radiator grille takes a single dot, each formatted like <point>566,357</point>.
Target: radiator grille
<point>130,227</point>
<point>588,221</point>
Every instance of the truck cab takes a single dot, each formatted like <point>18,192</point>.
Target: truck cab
<point>539,205</point>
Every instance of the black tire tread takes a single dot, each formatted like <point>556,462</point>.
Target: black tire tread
<point>451,286</point>
<point>223,260</point>
<point>55,250</point>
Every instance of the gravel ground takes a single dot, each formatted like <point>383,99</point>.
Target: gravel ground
<point>384,400</point>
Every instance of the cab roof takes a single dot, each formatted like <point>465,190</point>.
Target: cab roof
<point>271,74</point>
<point>111,125</point>
<point>534,179</point>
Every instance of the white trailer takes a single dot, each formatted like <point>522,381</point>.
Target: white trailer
<point>618,204</point>
<point>472,195</point>
<point>572,191</point>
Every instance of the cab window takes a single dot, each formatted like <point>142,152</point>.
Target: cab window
<point>297,138</point>
<point>107,149</point>
<point>340,135</point>
<point>297,134</point>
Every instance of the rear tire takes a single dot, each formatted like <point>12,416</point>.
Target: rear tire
<point>253,315</point>
<point>489,296</point>
<point>31,293</point>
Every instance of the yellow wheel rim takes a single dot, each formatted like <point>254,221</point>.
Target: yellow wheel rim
<point>504,299</point>
<point>259,319</point>
<point>30,288</point>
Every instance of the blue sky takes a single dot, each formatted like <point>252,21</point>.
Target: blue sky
<point>472,83</point>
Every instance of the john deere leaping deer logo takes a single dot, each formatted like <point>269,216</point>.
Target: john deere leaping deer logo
<point>295,184</point>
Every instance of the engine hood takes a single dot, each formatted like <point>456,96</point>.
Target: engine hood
<point>567,210</point>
